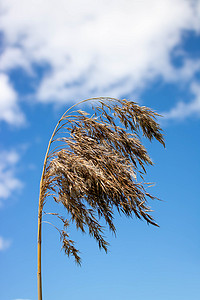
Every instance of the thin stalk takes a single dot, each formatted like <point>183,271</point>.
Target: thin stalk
<point>41,198</point>
<point>41,202</point>
<point>39,276</point>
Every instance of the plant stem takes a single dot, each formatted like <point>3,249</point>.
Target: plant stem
<point>39,277</point>
<point>42,196</point>
<point>41,203</point>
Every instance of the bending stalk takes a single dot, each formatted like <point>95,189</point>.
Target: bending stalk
<point>41,202</point>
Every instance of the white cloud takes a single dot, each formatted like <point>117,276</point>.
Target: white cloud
<point>13,57</point>
<point>96,48</point>
<point>4,243</point>
<point>8,180</point>
<point>183,110</point>
<point>9,110</point>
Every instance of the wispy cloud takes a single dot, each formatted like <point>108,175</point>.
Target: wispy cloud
<point>9,109</point>
<point>8,180</point>
<point>113,48</point>
<point>183,110</point>
<point>4,243</point>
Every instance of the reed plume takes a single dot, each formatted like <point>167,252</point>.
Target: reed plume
<point>97,167</point>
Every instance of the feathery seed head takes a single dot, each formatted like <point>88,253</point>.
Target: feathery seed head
<point>94,168</point>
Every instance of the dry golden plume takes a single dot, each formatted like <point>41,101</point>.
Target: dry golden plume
<point>97,166</point>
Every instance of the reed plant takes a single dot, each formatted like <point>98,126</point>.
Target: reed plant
<point>94,165</point>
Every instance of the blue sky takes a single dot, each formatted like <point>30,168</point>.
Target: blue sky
<point>56,53</point>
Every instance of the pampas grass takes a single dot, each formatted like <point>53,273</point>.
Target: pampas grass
<point>97,166</point>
